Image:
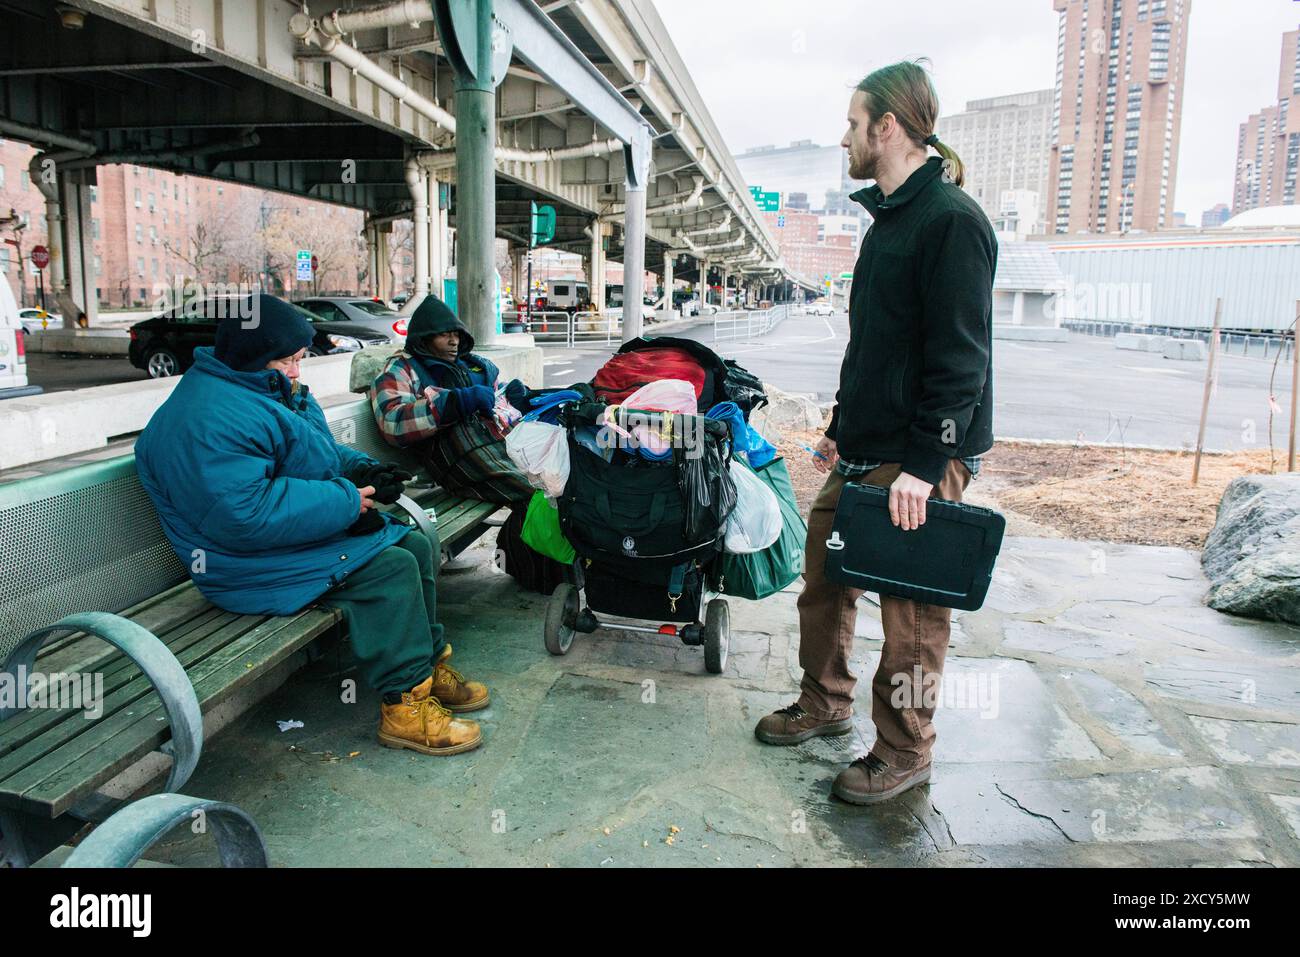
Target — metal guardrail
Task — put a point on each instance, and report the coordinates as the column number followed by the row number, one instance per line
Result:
column 1256, row 345
column 747, row 323
column 557, row 325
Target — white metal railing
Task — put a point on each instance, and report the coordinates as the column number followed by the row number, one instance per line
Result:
column 557, row 325
column 747, row 323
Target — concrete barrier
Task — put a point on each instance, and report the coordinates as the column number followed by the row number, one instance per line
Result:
column 1191, row 350
column 64, row 423
column 515, row 356
column 1030, row 333
column 89, row 342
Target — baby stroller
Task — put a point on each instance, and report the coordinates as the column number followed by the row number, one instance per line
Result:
column 646, row 532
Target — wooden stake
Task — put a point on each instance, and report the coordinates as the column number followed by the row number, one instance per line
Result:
column 1209, row 384
column 1295, row 386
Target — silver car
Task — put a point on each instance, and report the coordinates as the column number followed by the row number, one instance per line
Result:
column 364, row 313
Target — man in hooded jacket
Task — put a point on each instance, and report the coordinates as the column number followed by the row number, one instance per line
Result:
column 437, row 393
column 269, row 514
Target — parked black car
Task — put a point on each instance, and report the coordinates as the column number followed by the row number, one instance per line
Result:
column 164, row 345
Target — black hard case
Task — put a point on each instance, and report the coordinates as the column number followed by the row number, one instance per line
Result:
column 948, row 561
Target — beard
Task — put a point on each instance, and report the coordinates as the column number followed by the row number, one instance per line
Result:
column 865, row 165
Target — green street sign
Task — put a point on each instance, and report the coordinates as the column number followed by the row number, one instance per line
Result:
column 767, row 202
column 543, row 224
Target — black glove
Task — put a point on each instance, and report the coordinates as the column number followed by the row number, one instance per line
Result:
column 387, row 480
column 517, row 395
column 370, row 521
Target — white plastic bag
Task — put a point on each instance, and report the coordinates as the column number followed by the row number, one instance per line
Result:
column 541, row 451
column 755, row 523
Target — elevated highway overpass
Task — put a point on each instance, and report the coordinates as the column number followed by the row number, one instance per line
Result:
column 453, row 113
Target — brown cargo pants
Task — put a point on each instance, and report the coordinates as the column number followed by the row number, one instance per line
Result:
column 916, row 636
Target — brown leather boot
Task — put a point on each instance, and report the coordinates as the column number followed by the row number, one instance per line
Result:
column 452, row 690
column 869, row 780
column 421, row 724
column 793, row 724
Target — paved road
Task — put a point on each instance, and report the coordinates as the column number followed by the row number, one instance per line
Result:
column 1084, row 388
column 57, row 373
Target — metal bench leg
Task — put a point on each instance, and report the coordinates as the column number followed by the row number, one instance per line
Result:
column 159, row 665
column 123, row 838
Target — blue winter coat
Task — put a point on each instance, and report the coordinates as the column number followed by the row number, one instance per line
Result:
column 251, row 491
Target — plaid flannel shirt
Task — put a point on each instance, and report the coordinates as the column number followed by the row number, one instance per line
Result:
column 852, row 468
column 405, row 414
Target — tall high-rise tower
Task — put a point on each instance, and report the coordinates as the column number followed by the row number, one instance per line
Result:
column 1117, row 112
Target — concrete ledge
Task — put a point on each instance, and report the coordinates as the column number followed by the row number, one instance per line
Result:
column 90, row 342
column 513, row 357
column 1030, row 333
column 1191, row 350
column 47, row 426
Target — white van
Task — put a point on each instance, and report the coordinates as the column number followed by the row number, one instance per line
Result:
column 567, row 294
column 13, row 357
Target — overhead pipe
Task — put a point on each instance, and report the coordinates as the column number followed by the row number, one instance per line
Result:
column 246, row 139
column 35, row 134
column 446, row 159
column 717, row 227
column 310, row 32
column 340, row 22
column 693, row 199
column 417, row 183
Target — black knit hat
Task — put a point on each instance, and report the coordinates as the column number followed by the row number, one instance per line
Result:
column 431, row 317
column 264, row 329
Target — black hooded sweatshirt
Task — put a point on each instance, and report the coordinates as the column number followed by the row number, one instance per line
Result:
column 916, row 384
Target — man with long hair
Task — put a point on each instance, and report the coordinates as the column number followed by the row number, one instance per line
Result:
column 913, row 413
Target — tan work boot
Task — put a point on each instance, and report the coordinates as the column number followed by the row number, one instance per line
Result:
column 793, row 724
column 453, row 691
column 421, row 724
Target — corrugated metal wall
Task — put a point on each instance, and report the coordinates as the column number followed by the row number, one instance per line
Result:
column 1176, row 284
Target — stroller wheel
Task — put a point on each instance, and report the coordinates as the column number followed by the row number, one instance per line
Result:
column 561, row 612
column 717, row 635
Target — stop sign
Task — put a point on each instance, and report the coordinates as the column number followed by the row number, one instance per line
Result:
column 40, row 257
column 399, row 327
column 315, row 264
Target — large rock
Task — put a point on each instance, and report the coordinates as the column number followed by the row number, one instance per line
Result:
column 1252, row 557
column 785, row 411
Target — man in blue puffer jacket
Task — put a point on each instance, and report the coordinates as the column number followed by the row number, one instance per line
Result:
column 270, row 514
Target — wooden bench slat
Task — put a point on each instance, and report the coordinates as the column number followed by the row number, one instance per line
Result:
column 58, row 782
column 127, row 697
column 117, row 670
column 161, row 612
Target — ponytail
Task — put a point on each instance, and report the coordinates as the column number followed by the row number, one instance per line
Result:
column 954, row 170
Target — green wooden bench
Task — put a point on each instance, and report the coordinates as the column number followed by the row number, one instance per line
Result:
column 90, row 586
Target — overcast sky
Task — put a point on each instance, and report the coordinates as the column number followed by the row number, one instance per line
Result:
column 773, row 71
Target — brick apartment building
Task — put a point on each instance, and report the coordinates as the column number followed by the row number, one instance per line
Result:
column 150, row 227
column 1268, row 143
column 808, row 256
column 1117, row 114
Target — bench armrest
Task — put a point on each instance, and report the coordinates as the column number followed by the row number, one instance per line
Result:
column 422, row 521
column 152, row 657
column 123, row 838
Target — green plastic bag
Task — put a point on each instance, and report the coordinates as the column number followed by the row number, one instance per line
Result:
column 541, row 531
column 764, row 573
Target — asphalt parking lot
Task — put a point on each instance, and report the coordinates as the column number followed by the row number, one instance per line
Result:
column 1083, row 389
